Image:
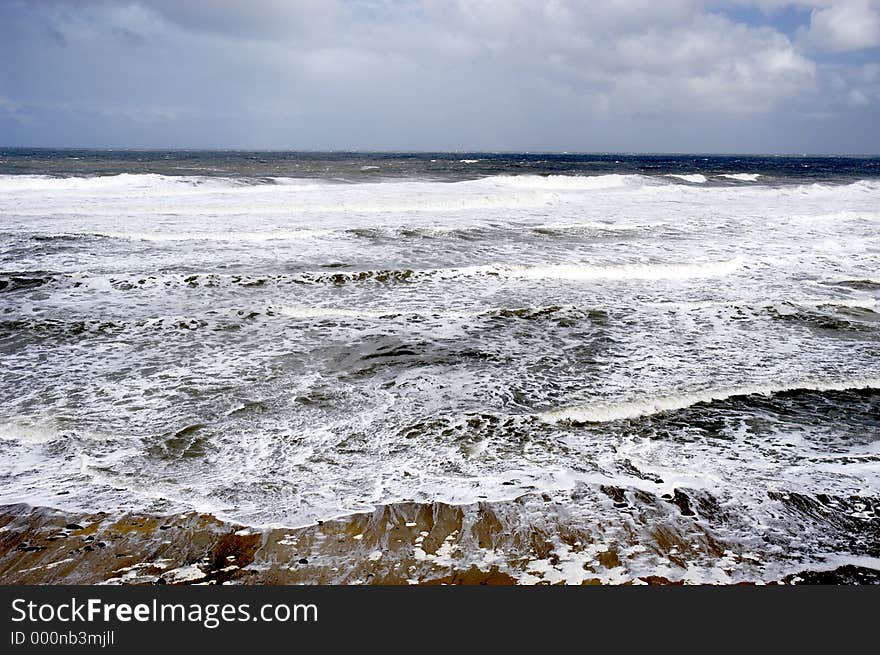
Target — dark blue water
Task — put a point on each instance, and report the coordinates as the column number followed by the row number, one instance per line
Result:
column 438, row 166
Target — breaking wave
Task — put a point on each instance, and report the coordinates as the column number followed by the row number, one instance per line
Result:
column 696, row 178
column 742, row 177
column 604, row 411
column 569, row 182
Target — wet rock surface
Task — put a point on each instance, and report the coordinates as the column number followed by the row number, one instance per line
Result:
column 402, row 543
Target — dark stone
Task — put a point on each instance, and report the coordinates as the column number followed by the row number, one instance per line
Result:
column 683, row 503
column 660, row 580
column 848, row 574
column 303, row 561
column 616, row 494
column 73, row 526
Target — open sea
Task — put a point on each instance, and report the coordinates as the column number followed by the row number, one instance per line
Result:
column 660, row 349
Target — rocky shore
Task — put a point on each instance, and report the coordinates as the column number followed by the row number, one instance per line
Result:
column 404, row 543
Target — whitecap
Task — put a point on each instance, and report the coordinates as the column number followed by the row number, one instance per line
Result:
column 697, row 178
column 229, row 236
column 676, row 271
column 604, row 411
column 742, row 177
column 566, row 182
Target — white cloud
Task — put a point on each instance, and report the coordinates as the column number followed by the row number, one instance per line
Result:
column 857, row 98
column 845, row 25
column 632, row 56
column 708, row 64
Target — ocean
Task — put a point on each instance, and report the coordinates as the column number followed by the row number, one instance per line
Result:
column 671, row 358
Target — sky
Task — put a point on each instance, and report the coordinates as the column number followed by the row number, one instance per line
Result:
column 739, row 76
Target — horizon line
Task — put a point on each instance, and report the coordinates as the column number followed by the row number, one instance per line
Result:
column 367, row 151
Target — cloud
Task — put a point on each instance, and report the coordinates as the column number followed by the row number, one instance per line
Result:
column 430, row 73
column 844, row 26
column 857, row 98
column 708, row 64
column 266, row 19
column 13, row 110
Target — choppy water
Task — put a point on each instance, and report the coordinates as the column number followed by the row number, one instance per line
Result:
column 281, row 338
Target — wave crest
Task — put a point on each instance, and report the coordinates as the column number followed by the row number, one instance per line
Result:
column 741, row 177
column 568, row 182
column 695, row 178
column 603, row 412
